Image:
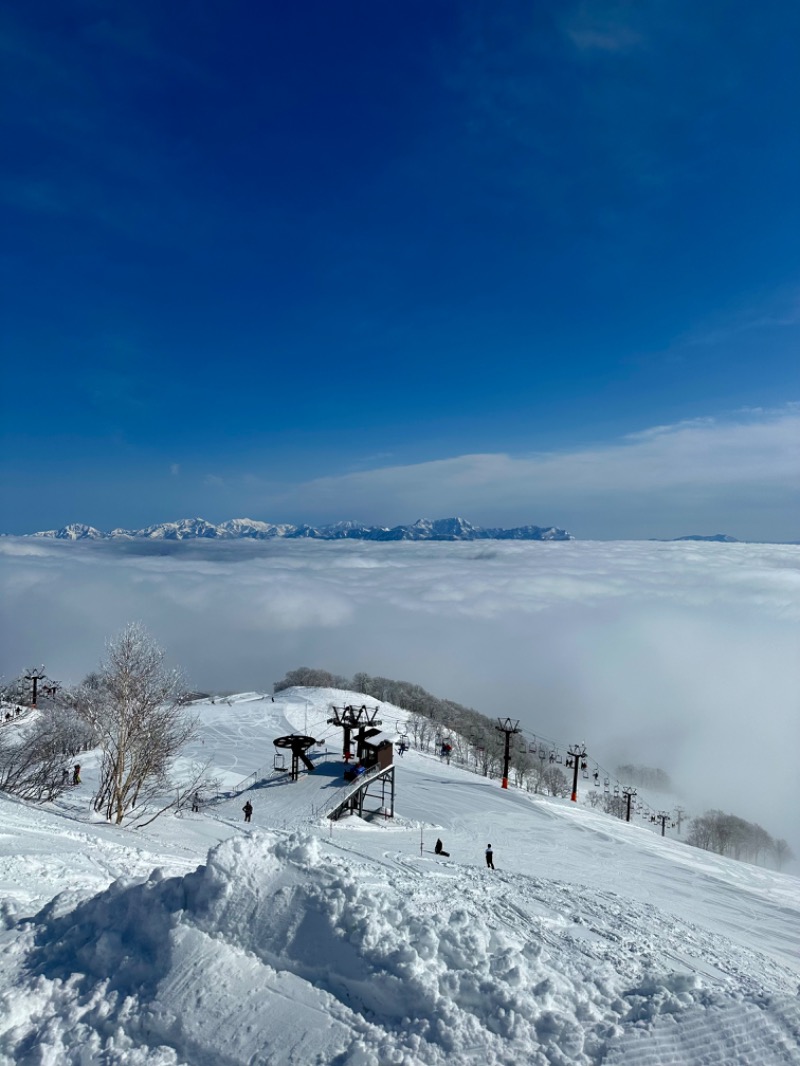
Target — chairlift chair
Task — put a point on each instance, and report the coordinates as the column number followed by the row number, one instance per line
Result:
column 279, row 761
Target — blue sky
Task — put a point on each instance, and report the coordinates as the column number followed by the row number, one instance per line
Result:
column 525, row 262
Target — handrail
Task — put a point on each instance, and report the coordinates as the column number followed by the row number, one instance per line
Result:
column 353, row 788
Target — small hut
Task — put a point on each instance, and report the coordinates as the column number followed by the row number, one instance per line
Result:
column 378, row 750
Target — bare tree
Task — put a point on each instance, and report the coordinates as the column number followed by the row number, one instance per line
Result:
column 193, row 786
column 31, row 760
column 783, row 853
column 555, row 781
column 134, row 708
column 727, row 834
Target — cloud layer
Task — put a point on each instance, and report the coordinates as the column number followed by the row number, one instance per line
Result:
column 676, row 655
column 739, row 476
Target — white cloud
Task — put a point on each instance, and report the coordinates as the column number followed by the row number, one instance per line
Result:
column 740, row 475
column 677, row 655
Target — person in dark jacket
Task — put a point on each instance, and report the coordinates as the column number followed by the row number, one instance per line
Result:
column 248, row 811
column 489, row 857
column 439, row 849
column 76, row 774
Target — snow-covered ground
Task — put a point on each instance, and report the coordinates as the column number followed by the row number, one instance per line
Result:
column 294, row 939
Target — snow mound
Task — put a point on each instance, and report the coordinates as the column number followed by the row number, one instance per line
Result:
column 398, row 962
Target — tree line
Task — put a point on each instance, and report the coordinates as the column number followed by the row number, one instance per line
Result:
column 474, row 739
column 727, row 834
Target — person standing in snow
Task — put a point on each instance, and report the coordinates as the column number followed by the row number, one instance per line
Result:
column 248, row 811
column 76, row 774
column 489, row 857
column 196, row 803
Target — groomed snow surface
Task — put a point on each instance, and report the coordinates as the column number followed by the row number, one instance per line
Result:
column 203, row 940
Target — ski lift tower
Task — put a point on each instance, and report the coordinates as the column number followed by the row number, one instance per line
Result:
column 628, row 793
column 35, row 676
column 509, row 729
column 576, row 762
column 351, row 718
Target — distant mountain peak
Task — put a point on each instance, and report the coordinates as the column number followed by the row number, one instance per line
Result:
column 74, row 531
column 715, row 538
column 437, row 529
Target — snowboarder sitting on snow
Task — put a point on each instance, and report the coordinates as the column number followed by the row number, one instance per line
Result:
column 439, row 849
column 248, row 811
column 489, row 857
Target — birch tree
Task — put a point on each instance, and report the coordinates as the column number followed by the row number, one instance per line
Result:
column 134, row 708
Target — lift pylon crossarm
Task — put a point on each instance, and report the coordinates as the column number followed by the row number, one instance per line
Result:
column 352, row 716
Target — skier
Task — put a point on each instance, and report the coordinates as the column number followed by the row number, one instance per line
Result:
column 439, row 849
column 76, row 774
column 489, row 857
column 248, row 811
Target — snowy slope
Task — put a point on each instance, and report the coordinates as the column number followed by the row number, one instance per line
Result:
column 297, row 940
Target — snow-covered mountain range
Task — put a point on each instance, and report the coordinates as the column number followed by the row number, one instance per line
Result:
column 448, row 529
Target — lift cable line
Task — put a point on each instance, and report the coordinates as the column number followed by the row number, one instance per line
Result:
column 363, row 721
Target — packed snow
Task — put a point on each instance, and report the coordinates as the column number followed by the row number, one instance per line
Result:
column 297, row 939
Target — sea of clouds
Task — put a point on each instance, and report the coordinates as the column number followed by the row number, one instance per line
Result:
column 677, row 655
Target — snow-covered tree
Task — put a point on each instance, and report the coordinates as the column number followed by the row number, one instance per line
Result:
column 32, row 758
column 133, row 706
